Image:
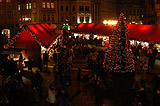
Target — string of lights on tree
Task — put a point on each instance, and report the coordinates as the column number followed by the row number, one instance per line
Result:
column 11, row 42
column 119, row 55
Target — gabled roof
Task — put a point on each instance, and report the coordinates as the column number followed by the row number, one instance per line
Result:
column 140, row 32
column 38, row 33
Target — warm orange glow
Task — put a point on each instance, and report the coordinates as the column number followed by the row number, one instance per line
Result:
column 110, row 22
column 105, row 22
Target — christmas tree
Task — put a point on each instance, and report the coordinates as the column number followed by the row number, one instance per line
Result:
column 119, row 55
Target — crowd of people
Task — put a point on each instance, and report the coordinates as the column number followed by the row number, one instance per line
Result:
column 99, row 79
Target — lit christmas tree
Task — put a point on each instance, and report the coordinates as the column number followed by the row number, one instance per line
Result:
column 119, row 55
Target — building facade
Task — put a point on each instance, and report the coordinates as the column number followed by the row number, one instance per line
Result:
column 157, row 9
column 132, row 9
column 73, row 12
column 69, row 13
column 8, row 20
column 37, row 11
column 150, row 12
column 103, row 10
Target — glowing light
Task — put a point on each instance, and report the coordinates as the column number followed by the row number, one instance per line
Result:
column 110, row 22
column 95, row 36
column 105, row 22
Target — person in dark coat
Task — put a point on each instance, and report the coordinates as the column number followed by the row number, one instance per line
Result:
column 40, row 64
column 30, row 64
column 45, row 59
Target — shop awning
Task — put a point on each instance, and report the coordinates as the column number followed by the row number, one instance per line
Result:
column 139, row 32
column 38, row 33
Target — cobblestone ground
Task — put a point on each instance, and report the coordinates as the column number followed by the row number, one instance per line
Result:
column 120, row 92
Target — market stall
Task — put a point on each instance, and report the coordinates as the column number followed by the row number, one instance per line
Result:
column 143, row 34
column 34, row 40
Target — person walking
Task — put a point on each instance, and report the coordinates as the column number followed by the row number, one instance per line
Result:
column 30, row 64
column 52, row 95
column 45, row 59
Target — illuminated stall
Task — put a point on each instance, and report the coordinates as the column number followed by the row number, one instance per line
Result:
column 144, row 34
column 34, row 40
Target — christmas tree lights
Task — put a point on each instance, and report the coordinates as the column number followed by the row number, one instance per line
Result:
column 119, row 54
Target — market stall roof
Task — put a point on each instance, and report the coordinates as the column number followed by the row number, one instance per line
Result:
column 38, row 33
column 140, row 32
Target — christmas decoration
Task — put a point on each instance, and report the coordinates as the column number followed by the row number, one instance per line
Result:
column 119, row 55
column 11, row 42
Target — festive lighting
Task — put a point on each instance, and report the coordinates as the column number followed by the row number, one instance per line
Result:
column 119, row 54
column 110, row 22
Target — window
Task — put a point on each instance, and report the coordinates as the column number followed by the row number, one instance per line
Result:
column 86, row 8
column 44, row 17
column 19, row 7
column 43, row 5
column 48, row 17
column 81, row 19
column 30, row 6
column 66, row 18
column 87, row 19
column 61, row 8
column 1, row 14
column 35, row 18
column 62, row 19
column 52, row 17
column 66, row 8
column 81, row 8
column 0, row 0
column 73, row 18
column 73, row 8
column 8, row 1
column 34, row 4
column 52, row 5
column 27, row 6
column 48, row 5
column 9, row 14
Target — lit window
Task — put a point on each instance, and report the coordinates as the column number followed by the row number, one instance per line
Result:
column 27, row 6
column 34, row 5
column 0, row 0
column 43, row 5
column 48, row 5
column 19, row 7
column 8, row 1
column 52, row 5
